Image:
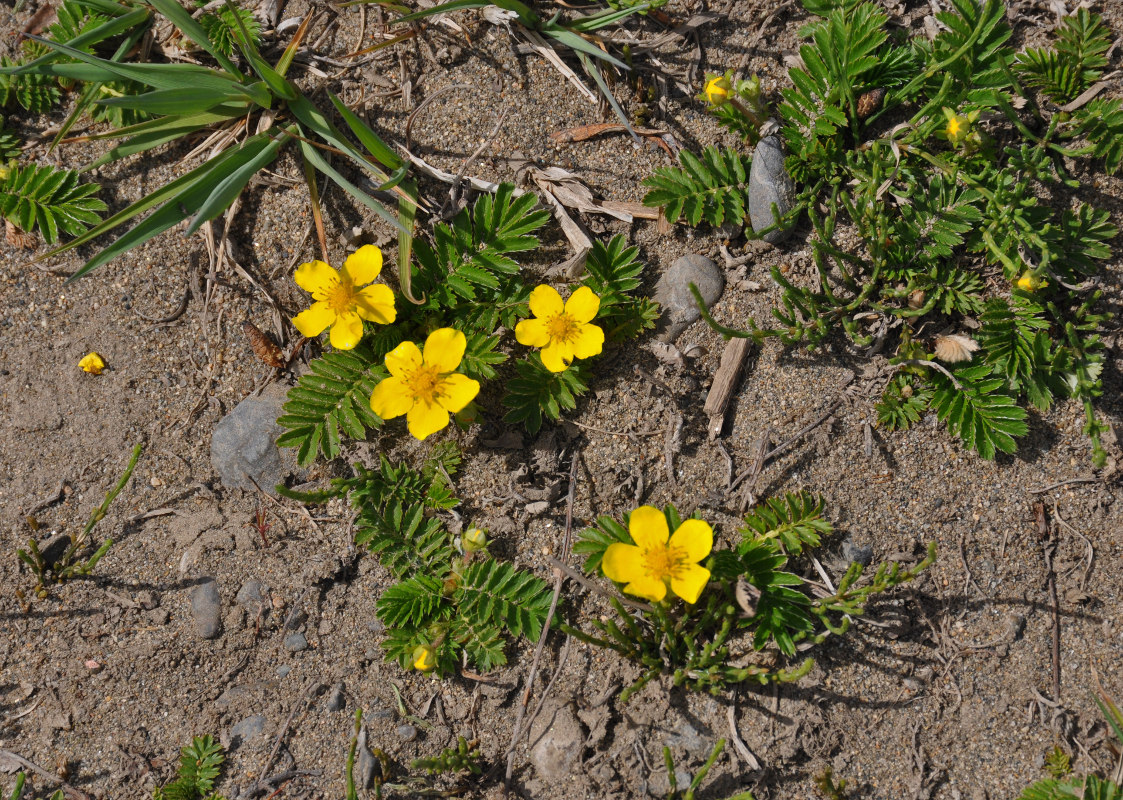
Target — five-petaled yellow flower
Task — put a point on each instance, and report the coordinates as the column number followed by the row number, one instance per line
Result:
column 717, row 90
column 341, row 302
column 424, row 658
column 425, row 385
column 654, row 561
column 92, row 363
column 562, row 330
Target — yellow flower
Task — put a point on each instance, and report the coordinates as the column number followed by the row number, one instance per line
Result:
column 655, row 561
column 562, row 331
column 425, row 386
column 340, row 302
column 717, row 90
column 955, row 127
column 1030, row 282
column 92, row 363
column 424, row 658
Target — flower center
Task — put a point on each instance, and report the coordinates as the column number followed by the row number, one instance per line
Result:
column 663, row 561
column 424, row 383
column 341, row 297
column 561, row 328
column 953, row 128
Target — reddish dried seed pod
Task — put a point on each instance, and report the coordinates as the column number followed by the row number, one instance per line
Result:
column 870, row 102
column 263, row 347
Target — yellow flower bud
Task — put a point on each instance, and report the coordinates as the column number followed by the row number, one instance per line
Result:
column 4, row 172
column 1030, row 282
column 92, row 363
column 717, row 90
column 473, row 539
column 424, row 658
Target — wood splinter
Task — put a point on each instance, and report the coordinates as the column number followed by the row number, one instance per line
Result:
column 725, row 380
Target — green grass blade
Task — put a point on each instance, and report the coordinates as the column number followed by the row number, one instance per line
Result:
column 321, row 164
column 194, row 31
column 232, row 185
column 407, row 213
column 174, row 102
column 603, row 19
column 580, row 45
column 367, row 137
column 105, row 30
column 161, row 195
column 594, row 70
column 158, row 76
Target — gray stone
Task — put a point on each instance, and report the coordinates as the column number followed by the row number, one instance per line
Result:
column 673, row 293
column 336, row 700
column 558, row 737
column 53, row 548
column 244, row 452
column 295, row 642
column 687, row 737
column 283, row 670
column 206, row 609
column 247, row 729
column 407, row 733
column 862, row 554
column 251, row 596
column 769, row 183
column 365, row 764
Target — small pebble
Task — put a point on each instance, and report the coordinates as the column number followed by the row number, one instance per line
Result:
column 862, row 554
column 295, row 642
column 336, row 700
column 407, row 733
column 251, row 596
column 248, row 728
column 672, row 291
column 769, row 183
column 283, row 670
column 206, row 609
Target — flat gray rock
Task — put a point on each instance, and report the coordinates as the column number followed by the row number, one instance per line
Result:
column 244, row 449
column 672, row 291
column 557, row 738
column 251, row 596
column 247, row 729
column 206, row 609
column 769, row 183
column 295, row 642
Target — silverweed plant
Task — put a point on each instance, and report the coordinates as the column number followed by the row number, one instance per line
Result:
column 717, row 617
column 674, row 793
column 17, row 790
column 199, row 766
column 428, row 360
column 69, row 563
column 945, row 184
column 452, row 604
column 1065, row 786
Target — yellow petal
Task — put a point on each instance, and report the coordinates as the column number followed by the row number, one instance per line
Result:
column 648, row 588
column 347, row 331
column 648, row 527
column 545, row 301
column 391, row 398
column 623, row 563
column 444, row 349
column 588, row 342
column 689, row 582
column 583, row 305
column 552, row 358
column 457, row 391
column 92, row 363
column 425, row 418
column 403, row 359
column 317, row 278
column 363, row 265
column 532, row 333
column 695, row 538
column 314, row 320
column 376, row 303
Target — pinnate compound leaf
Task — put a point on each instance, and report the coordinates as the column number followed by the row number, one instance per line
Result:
column 333, row 398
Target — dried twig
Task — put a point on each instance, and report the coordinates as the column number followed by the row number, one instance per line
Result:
column 1047, row 534
column 725, row 380
column 1070, row 481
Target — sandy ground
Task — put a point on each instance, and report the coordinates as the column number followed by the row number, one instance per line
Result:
column 943, row 691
